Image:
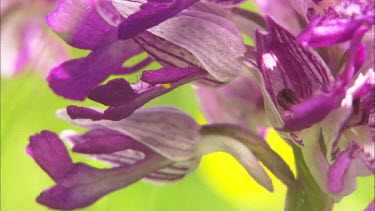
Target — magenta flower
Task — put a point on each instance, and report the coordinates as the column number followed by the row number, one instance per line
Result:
column 136, row 149
column 304, row 100
column 335, row 21
column 176, row 42
column 320, row 101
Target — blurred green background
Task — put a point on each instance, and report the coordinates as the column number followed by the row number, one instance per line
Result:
column 220, row 183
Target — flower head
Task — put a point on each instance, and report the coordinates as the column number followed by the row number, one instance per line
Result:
column 160, row 144
column 193, row 45
column 320, row 101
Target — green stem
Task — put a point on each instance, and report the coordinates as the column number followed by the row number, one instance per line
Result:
column 306, row 195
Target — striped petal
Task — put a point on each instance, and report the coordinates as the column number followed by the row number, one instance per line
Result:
column 213, row 40
column 124, row 98
column 178, row 142
column 75, row 78
column 76, row 20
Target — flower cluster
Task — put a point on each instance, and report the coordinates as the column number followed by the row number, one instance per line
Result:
column 321, row 101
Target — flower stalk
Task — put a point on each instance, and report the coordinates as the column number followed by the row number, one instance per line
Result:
column 306, row 194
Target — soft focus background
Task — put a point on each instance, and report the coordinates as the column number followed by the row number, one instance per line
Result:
column 220, row 183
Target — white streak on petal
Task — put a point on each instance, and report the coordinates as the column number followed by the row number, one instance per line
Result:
column 270, row 61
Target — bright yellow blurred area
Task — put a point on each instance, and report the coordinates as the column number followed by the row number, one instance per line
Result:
column 226, row 176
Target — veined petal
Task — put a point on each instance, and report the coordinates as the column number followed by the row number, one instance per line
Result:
column 337, row 121
column 340, row 174
column 103, row 141
column 75, row 78
column 165, row 130
column 330, row 33
column 218, row 143
column 213, row 40
column 84, row 184
column 124, row 98
column 224, row 3
column 118, row 149
column 150, row 14
column 312, row 110
column 338, row 23
column 79, row 185
column 174, row 172
column 50, row 153
column 291, row 74
column 165, row 52
column 243, row 145
column 108, row 12
column 76, row 20
column 167, row 75
column 305, row 73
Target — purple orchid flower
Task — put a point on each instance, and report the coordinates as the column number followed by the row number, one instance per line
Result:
column 136, row 149
column 26, row 42
column 174, row 39
column 333, row 22
column 297, row 105
column 304, row 100
column 350, row 139
column 321, row 102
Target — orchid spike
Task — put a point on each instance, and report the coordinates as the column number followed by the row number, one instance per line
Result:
column 160, row 144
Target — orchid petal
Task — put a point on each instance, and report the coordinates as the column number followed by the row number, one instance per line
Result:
column 178, row 141
column 165, row 52
column 74, row 79
column 50, row 154
column 312, row 110
column 150, row 14
column 124, row 100
column 218, row 143
column 76, row 20
column 84, row 184
column 118, row 149
column 258, row 147
column 286, row 83
column 79, row 185
column 337, row 120
column 336, row 181
column 102, row 141
column 224, row 3
column 335, row 31
column 174, row 172
column 108, row 12
column 213, row 40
